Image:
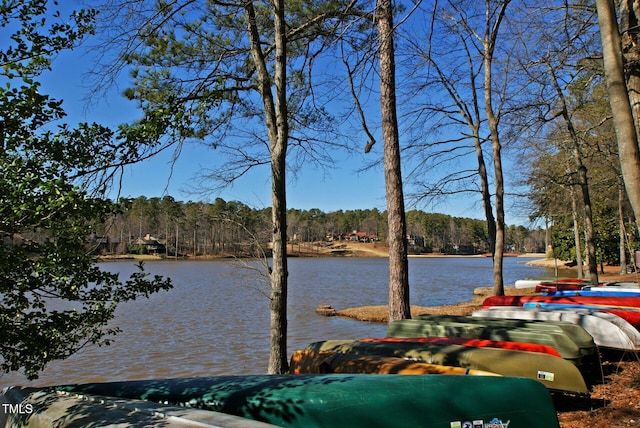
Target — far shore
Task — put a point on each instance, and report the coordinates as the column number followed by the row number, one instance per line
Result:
column 313, row 249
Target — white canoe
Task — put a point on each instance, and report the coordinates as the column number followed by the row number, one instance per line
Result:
column 532, row 282
column 617, row 286
column 608, row 330
column 527, row 283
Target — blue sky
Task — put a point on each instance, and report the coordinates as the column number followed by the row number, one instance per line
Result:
column 339, row 188
column 329, row 190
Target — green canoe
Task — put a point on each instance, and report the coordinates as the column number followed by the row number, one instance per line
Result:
column 565, row 346
column 553, row 372
column 332, row 400
column 576, row 332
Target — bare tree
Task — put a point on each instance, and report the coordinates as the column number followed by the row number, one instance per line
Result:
column 472, row 86
column 277, row 129
column 465, row 110
column 494, row 16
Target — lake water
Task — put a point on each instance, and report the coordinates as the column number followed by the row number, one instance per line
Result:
column 216, row 318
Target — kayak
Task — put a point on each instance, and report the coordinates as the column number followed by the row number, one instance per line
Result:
column 560, row 341
column 306, row 361
column 546, row 287
column 476, row 343
column 621, row 287
column 555, row 373
column 607, row 329
column 621, row 284
column 532, row 282
column 331, row 400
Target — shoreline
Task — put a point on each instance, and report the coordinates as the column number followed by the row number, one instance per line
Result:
column 349, row 250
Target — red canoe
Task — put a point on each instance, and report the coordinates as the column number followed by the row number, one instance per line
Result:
column 476, row 343
column 547, row 287
column 627, row 308
column 564, row 284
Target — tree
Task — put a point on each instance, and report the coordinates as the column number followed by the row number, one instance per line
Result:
column 455, row 64
column 624, row 124
column 581, row 178
column 463, row 108
column 494, row 16
column 277, row 123
column 232, row 75
column 55, row 300
column 399, row 306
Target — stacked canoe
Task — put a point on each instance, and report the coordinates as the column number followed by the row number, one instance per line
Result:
column 607, row 329
column 610, row 316
column 548, row 352
column 544, row 285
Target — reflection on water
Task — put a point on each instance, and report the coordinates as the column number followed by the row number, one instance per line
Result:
column 216, row 319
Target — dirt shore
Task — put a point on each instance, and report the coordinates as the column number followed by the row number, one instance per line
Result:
column 612, row 404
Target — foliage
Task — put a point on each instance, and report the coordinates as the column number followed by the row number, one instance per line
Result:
column 563, row 241
column 54, row 299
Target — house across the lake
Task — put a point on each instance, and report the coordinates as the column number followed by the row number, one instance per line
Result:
column 150, row 244
column 103, row 244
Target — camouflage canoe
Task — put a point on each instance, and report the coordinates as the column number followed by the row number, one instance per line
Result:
column 306, row 361
column 553, row 372
column 564, row 344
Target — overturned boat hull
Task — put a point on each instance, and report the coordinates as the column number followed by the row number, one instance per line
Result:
column 561, row 342
column 555, row 373
column 349, row 400
column 607, row 329
column 306, row 361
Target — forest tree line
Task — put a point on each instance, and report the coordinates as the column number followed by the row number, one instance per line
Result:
column 233, row 228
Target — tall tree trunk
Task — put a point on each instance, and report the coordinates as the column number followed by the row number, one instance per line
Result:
column 588, row 226
column 489, row 43
column 399, row 305
column 485, row 192
column 576, row 231
column 623, row 233
column 631, row 55
column 620, row 106
column 277, row 130
column 582, row 180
